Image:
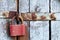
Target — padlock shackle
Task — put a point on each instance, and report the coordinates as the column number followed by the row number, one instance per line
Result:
column 18, row 18
column 21, row 19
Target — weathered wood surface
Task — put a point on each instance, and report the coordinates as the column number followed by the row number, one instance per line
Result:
column 3, row 30
column 8, row 5
column 55, row 5
column 23, row 6
column 55, row 28
column 39, row 5
column 39, row 30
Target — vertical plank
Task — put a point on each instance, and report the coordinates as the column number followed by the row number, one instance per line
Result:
column 12, row 5
column 23, row 6
column 14, row 38
column 3, row 30
column 39, row 5
column 55, row 27
column 8, row 5
column 55, row 5
column 3, row 5
column 39, row 30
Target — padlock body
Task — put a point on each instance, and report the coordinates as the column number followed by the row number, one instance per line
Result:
column 17, row 30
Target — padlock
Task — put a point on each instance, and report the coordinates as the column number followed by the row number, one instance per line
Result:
column 17, row 29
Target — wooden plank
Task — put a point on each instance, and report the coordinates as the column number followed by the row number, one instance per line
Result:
column 55, row 28
column 4, row 30
column 39, row 5
column 8, row 5
column 39, row 30
column 12, row 5
column 14, row 38
column 23, row 6
column 3, row 5
column 55, row 5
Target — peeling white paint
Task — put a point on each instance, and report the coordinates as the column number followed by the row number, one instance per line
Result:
column 55, row 6
column 55, row 28
column 39, row 30
column 8, row 5
column 23, row 6
column 3, row 31
column 43, row 5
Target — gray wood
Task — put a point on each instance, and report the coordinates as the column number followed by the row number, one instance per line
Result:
column 8, row 5
column 3, row 30
column 23, row 6
column 55, row 5
column 39, row 30
column 55, row 28
column 40, row 5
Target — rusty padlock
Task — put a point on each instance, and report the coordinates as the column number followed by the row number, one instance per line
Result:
column 17, row 28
